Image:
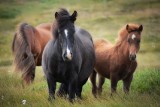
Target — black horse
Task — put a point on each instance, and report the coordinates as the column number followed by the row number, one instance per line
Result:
column 69, row 58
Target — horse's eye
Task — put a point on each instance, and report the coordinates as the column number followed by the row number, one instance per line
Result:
column 25, row 56
column 129, row 40
column 138, row 41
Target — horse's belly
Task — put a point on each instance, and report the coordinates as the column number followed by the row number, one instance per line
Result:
column 61, row 80
column 61, row 77
column 103, row 72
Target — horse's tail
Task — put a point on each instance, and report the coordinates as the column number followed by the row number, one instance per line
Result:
column 21, row 49
column 93, row 81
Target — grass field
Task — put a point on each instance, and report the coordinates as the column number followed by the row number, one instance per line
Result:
column 103, row 19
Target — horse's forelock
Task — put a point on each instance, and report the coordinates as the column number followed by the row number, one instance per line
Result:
column 123, row 33
column 63, row 17
column 63, row 12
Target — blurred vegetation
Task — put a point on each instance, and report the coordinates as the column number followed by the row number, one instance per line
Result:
column 9, row 13
column 103, row 19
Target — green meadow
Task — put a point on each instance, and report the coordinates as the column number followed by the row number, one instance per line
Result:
column 103, row 19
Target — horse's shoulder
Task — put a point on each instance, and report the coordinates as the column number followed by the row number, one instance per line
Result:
column 82, row 32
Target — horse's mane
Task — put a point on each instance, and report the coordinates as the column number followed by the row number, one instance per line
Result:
column 123, row 33
column 21, row 50
column 63, row 12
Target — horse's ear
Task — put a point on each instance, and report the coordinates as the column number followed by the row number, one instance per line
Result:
column 127, row 28
column 140, row 28
column 73, row 16
column 56, row 15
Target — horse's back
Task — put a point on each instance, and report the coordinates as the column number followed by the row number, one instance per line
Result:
column 44, row 30
column 46, row 26
column 102, row 48
column 102, row 44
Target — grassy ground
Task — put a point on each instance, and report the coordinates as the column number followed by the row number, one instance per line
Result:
column 103, row 19
column 144, row 92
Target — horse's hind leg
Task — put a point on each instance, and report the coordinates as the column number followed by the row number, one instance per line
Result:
column 93, row 81
column 126, row 83
column 100, row 83
column 51, row 87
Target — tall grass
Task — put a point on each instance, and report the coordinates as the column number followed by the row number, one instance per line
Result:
column 144, row 92
column 147, row 81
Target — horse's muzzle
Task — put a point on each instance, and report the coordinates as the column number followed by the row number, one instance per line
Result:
column 67, row 57
column 132, row 57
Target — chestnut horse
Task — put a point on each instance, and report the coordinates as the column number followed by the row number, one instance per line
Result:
column 117, row 62
column 27, row 48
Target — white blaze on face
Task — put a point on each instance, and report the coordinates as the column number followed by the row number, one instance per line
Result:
column 66, row 32
column 69, row 54
column 133, row 36
column 68, row 50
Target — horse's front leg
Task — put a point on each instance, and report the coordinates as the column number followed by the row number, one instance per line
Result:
column 72, row 87
column 51, row 86
column 114, row 81
column 126, row 83
column 63, row 90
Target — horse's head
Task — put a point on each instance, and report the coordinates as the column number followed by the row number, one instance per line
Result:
column 134, row 38
column 65, row 33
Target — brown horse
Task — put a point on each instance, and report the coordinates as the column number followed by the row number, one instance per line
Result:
column 27, row 48
column 117, row 62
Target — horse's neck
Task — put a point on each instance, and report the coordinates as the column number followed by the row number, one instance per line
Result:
column 122, row 49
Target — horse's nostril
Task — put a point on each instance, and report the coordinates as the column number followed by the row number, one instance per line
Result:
column 71, row 54
column 65, row 55
column 132, row 57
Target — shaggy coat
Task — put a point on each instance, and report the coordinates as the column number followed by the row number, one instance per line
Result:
column 117, row 62
column 27, row 47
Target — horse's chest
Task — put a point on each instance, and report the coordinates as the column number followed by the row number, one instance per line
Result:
column 62, row 73
column 124, row 71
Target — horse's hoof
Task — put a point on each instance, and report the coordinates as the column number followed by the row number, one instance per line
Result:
column 51, row 98
column 71, row 100
column 95, row 95
column 79, row 97
column 59, row 94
